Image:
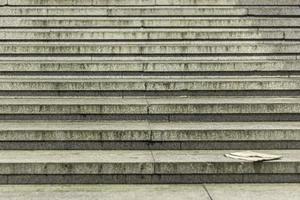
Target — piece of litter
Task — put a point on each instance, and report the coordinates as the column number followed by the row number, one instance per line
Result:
column 252, row 156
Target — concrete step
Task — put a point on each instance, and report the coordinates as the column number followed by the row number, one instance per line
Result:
column 151, row 66
column 149, row 34
column 60, row 167
column 149, row 2
column 151, row 11
column 112, row 135
column 147, row 83
column 149, row 22
column 150, row 48
column 164, row 109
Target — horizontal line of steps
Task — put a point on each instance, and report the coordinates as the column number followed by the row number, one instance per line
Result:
column 94, row 58
column 167, row 65
column 19, row 167
column 150, row 11
column 149, row 34
column 147, row 135
column 148, row 106
column 149, row 2
column 150, row 48
column 147, row 22
column 119, row 83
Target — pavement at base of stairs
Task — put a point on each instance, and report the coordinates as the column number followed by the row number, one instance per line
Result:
column 149, row 192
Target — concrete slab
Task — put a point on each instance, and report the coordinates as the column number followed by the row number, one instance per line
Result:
column 144, row 34
column 146, row 106
column 254, row 191
column 141, row 48
column 172, row 64
column 76, row 162
column 145, row 83
column 147, row 131
column 147, row 22
column 150, row 11
column 104, row 192
column 214, row 162
column 153, row 2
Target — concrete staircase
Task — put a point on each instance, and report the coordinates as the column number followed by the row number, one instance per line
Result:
column 148, row 91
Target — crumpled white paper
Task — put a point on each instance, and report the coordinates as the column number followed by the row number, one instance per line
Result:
column 252, row 156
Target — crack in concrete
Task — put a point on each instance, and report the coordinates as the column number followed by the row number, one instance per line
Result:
column 207, row 192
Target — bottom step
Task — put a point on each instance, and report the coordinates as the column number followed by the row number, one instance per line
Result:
column 129, row 167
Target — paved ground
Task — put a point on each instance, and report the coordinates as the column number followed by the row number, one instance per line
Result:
column 155, row 192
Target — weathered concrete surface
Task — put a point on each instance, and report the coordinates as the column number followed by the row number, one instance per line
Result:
column 94, row 105
column 140, row 48
column 142, row 162
column 104, row 192
column 76, row 162
column 254, row 191
column 148, row 83
column 152, row 2
column 148, row 22
column 144, row 34
column 122, row 34
column 148, row 66
column 214, row 162
column 152, row 192
column 148, row 131
column 150, row 11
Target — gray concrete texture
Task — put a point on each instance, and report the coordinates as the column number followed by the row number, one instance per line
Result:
column 150, row 11
column 148, row 83
column 152, row 192
column 150, row 2
column 147, row 66
column 148, row 131
column 148, row 22
column 149, row 48
column 145, row 106
column 142, row 162
column 146, row 34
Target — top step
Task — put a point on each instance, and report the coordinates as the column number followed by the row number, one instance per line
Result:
column 149, row 2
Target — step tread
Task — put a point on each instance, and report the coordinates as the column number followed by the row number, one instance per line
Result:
column 140, row 125
column 136, row 156
column 151, row 11
column 113, row 78
column 151, row 2
column 149, row 22
column 145, row 101
column 142, row 131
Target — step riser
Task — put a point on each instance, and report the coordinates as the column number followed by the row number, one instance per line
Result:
column 152, row 49
column 157, row 93
column 101, row 22
column 148, row 179
column 148, row 135
column 239, row 74
column 205, row 145
column 151, row 67
column 149, row 2
column 154, row 109
column 151, row 86
column 149, row 168
column 162, row 117
column 145, row 35
column 149, row 11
